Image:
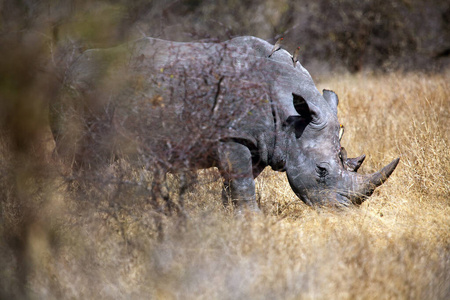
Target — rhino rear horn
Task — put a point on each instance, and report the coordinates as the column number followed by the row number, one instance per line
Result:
column 353, row 164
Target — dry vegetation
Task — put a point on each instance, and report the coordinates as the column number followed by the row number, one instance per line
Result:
column 395, row 246
column 60, row 240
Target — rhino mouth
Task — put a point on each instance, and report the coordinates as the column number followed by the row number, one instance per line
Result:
column 351, row 198
column 325, row 198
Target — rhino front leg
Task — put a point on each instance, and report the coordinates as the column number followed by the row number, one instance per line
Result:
column 235, row 164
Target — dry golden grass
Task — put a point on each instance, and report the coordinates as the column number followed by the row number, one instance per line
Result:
column 395, row 246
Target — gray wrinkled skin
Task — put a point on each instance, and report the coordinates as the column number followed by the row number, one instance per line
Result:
column 198, row 105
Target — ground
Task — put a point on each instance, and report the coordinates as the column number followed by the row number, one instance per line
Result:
column 394, row 246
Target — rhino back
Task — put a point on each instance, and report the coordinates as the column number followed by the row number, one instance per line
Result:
column 167, row 98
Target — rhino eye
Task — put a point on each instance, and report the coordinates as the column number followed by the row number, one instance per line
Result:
column 321, row 171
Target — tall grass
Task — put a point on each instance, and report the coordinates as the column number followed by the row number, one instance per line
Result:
column 394, row 246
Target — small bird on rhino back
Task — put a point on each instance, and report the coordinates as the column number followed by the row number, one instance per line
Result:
column 276, row 47
column 296, row 55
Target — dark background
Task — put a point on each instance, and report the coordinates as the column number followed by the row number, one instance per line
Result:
column 333, row 34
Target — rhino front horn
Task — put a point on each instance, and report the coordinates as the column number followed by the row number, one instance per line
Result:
column 370, row 182
column 380, row 177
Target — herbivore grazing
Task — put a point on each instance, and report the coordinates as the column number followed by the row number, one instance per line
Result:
column 230, row 105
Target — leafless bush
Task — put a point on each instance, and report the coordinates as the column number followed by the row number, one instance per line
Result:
column 160, row 106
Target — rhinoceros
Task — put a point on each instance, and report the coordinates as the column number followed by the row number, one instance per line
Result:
column 200, row 105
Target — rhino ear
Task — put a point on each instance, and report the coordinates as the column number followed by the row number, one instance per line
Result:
column 332, row 99
column 308, row 111
column 296, row 124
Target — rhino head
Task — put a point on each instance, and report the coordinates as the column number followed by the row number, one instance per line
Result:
column 316, row 166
